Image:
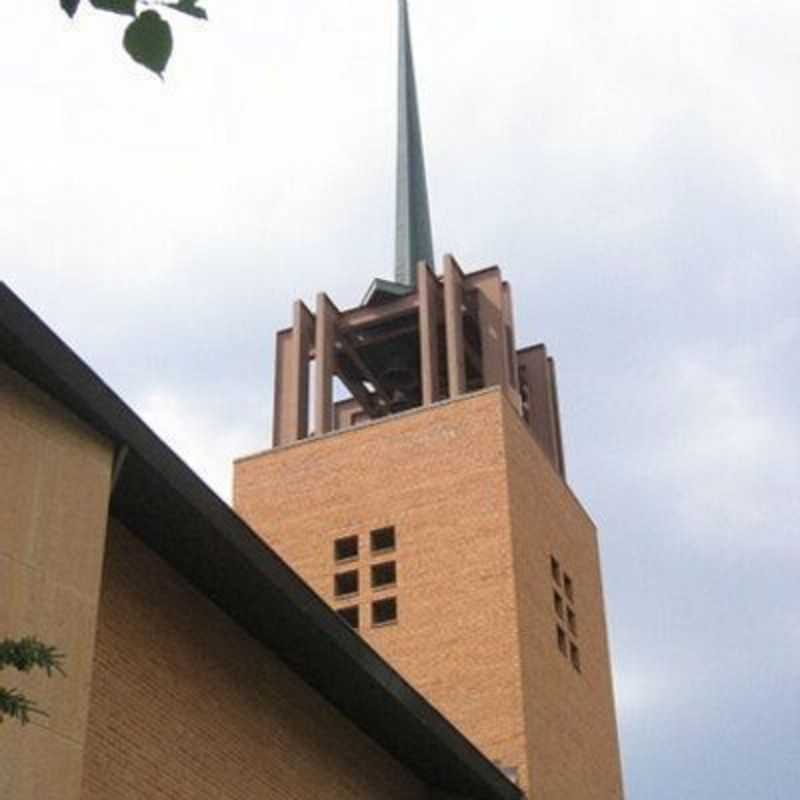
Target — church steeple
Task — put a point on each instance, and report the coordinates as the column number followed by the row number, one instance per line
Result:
column 413, row 240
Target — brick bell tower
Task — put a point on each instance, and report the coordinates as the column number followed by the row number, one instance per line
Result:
column 430, row 507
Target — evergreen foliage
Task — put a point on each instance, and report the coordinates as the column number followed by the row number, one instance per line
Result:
column 25, row 655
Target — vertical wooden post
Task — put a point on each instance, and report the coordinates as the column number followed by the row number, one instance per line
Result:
column 428, row 289
column 292, row 352
column 280, row 411
column 296, row 395
column 510, row 337
column 454, row 326
column 325, row 354
column 494, row 359
column 556, row 417
column 543, row 403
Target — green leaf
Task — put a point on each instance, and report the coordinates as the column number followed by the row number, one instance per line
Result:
column 126, row 7
column 148, row 40
column 70, row 6
column 14, row 704
column 25, row 654
column 188, row 7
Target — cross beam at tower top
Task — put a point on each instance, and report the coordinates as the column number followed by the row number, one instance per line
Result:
column 413, row 239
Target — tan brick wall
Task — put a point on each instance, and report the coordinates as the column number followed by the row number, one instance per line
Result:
column 186, row 705
column 54, row 487
column 574, row 753
column 477, row 510
column 439, row 477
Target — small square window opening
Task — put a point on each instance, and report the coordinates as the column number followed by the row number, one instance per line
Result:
column 575, row 656
column 561, row 638
column 382, row 539
column 384, row 574
column 572, row 623
column 350, row 616
column 345, row 548
column 345, row 583
column 384, row 611
column 558, row 604
column 555, row 570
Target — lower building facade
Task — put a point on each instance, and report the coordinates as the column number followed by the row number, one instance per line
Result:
column 198, row 664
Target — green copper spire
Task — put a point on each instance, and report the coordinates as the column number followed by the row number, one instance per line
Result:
column 413, row 241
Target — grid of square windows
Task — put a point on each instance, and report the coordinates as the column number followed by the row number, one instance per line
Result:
column 382, row 577
column 563, row 602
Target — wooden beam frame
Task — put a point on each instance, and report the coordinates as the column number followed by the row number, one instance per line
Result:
column 510, row 336
column 428, row 288
column 347, row 348
column 360, row 394
column 494, row 347
column 325, row 358
column 454, row 325
column 359, row 316
column 365, row 338
column 292, row 356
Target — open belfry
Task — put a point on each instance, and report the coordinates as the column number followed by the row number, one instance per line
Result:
column 425, row 499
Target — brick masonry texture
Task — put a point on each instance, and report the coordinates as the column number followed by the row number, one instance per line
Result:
column 573, row 749
column 185, row 704
column 477, row 511
column 54, row 483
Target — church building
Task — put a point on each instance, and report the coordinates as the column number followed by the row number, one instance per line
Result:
column 405, row 601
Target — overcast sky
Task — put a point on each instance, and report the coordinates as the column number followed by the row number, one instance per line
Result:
column 632, row 165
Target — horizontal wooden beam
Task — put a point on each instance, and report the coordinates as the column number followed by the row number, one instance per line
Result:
column 347, row 348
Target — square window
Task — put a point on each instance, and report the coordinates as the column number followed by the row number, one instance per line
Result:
column 568, row 588
column 384, row 574
column 350, row 616
column 572, row 623
column 575, row 656
column 384, row 611
column 345, row 583
column 346, row 548
column 382, row 539
column 558, row 604
column 555, row 570
column 561, row 638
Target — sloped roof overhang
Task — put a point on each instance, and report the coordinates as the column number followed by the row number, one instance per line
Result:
column 161, row 500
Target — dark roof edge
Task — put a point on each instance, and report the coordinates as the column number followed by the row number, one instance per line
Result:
column 30, row 347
